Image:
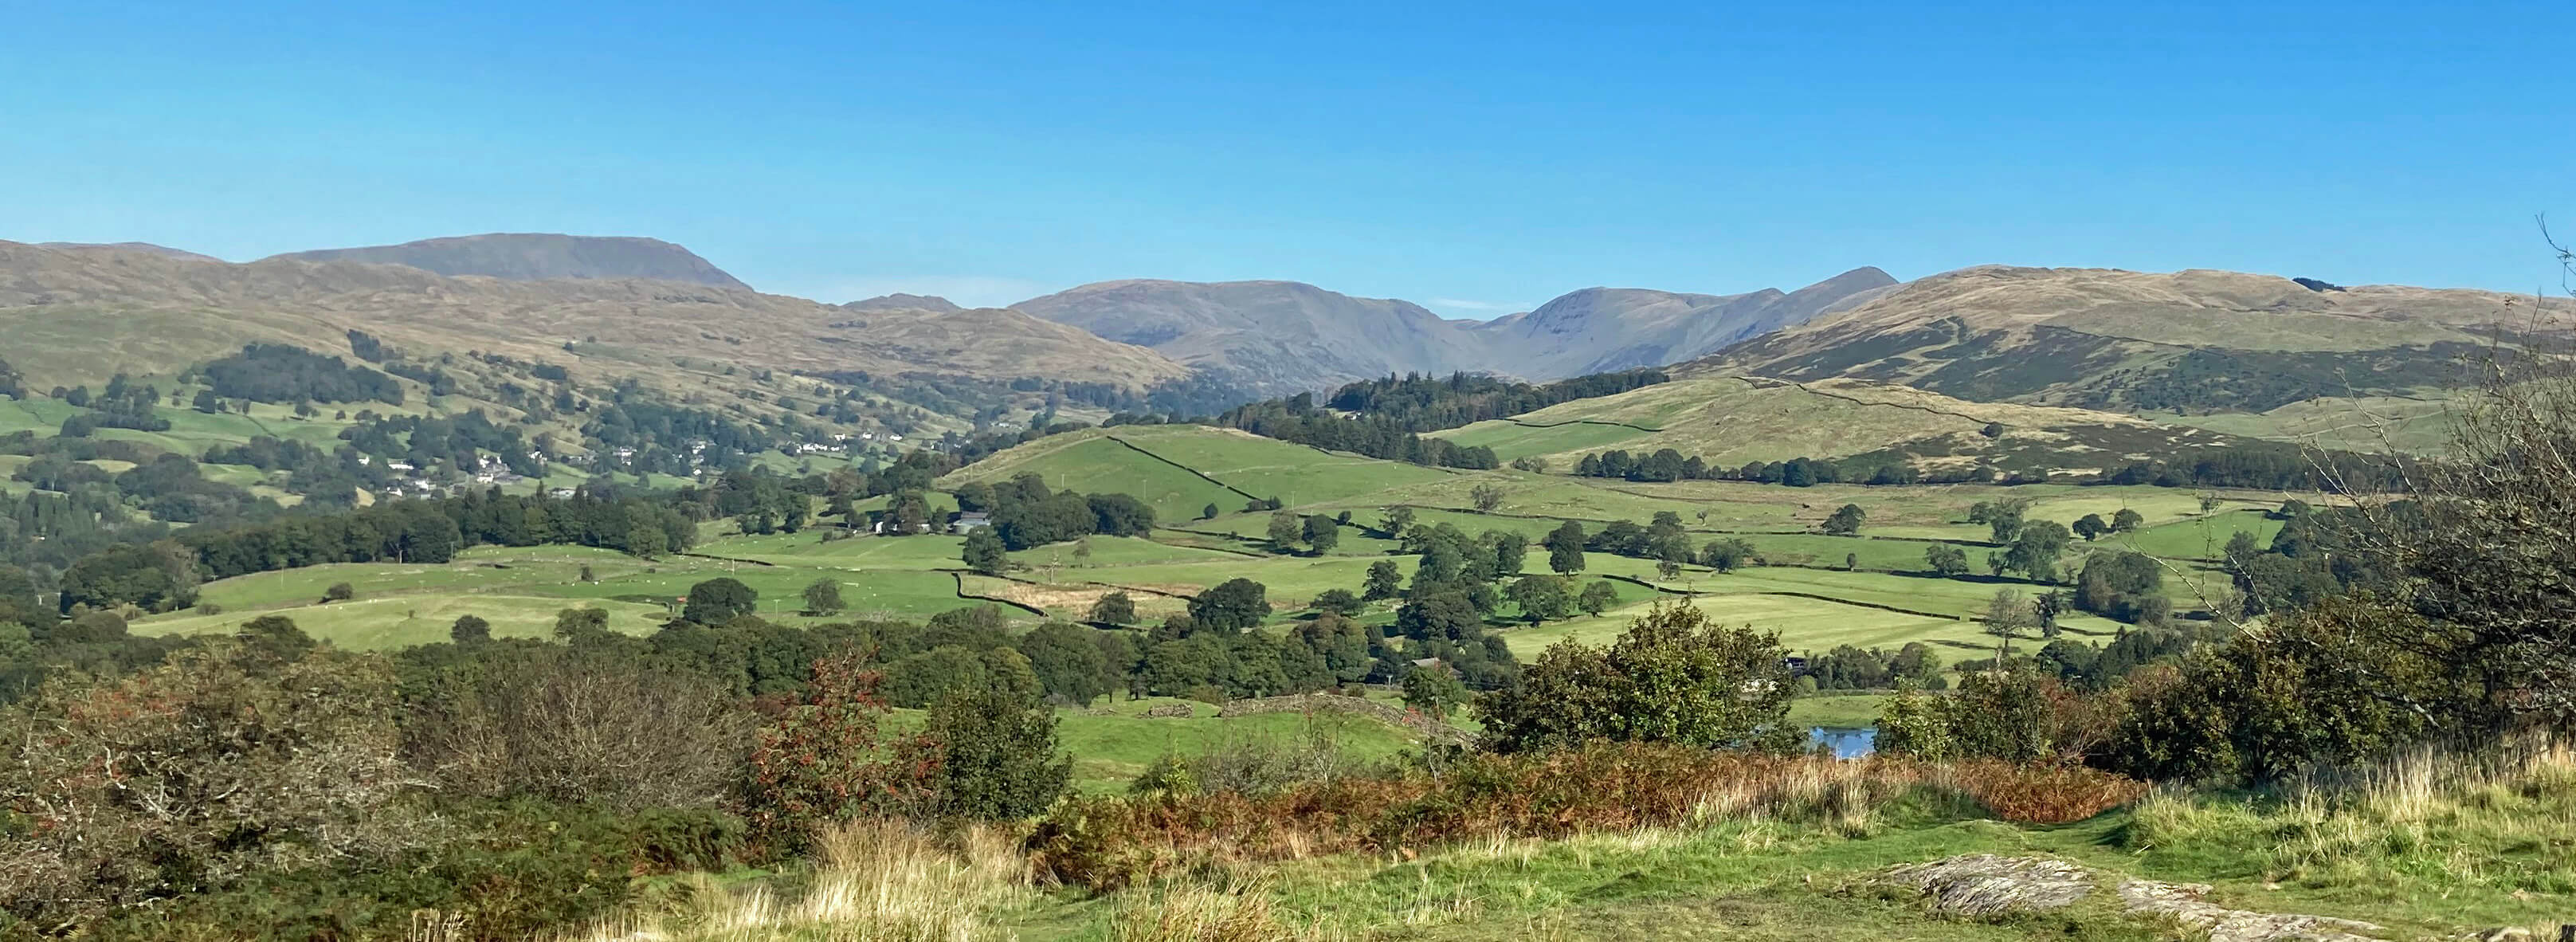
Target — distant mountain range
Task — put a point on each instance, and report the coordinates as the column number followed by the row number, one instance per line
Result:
column 161, row 250
column 2192, row 341
column 538, row 257
column 75, row 315
column 1282, row 336
column 1597, row 330
column 1274, row 336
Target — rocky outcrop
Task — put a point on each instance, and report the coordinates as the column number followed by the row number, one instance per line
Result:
column 1987, row 885
column 1991, row 884
column 2184, row 903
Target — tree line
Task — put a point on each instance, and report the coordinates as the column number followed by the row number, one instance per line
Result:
column 282, row 373
column 1420, row 402
column 1296, row 419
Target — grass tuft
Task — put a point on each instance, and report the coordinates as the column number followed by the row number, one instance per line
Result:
column 876, row 880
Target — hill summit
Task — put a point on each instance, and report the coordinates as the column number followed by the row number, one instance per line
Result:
column 538, row 257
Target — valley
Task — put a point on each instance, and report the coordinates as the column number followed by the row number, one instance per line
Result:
column 1980, row 520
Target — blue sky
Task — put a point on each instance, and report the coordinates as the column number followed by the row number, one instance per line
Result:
column 1478, row 158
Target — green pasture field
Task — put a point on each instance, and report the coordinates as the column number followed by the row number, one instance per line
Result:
column 536, row 570
column 533, row 581
column 1804, row 625
column 1113, row 744
column 941, row 503
column 916, row 551
column 1090, row 462
column 898, row 593
column 1292, row 581
column 2202, row 538
column 399, row 621
column 1512, row 439
column 1295, row 474
column 1255, row 528
column 1110, row 552
column 1729, row 421
column 1836, row 709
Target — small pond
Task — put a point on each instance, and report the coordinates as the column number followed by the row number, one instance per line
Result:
column 1848, row 742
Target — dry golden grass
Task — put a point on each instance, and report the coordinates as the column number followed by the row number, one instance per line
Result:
column 880, row 881
column 1200, row 912
column 2497, row 820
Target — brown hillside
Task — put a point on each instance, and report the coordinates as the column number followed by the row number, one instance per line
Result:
column 2193, row 341
column 74, row 316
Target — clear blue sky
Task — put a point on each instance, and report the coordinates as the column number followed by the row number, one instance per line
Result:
column 1474, row 157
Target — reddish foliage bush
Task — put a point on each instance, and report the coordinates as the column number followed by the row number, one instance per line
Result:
column 1109, row 842
column 827, row 760
column 2040, row 794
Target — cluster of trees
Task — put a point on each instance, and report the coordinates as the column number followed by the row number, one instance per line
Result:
column 2086, row 666
column 1670, row 465
column 2317, row 554
column 2264, row 466
column 758, row 503
column 280, row 373
column 1319, row 533
column 328, row 480
column 665, row 437
column 1673, row 677
column 1025, row 513
column 1852, row 668
column 1661, row 539
column 172, row 488
column 48, row 530
column 12, row 384
column 123, row 404
column 1296, row 419
column 2030, row 547
column 2267, row 466
column 452, row 443
column 1423, row 403
column 2123, row 586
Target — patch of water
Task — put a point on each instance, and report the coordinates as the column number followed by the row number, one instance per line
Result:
column 1847, row 742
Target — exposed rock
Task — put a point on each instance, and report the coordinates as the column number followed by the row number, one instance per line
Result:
column 1990, row 884
column 1987, row 884
column 2184, row 902
column 1171, row 711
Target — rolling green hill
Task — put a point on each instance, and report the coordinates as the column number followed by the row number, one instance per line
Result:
column 1730, row 420
column 1181, row 469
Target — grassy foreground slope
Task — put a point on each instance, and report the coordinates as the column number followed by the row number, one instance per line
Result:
column 2450, row 856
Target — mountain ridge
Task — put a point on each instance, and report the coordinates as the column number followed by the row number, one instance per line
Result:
column 537, row 256
column 1273, row 335
column 1283, row 336
column 162, row 250
column 183, row 311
